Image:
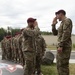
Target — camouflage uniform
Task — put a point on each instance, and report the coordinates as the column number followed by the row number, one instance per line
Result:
column 5, row 42
column 12, row 46
column 3, row 49
column 8, row 49
column 40, row 50
column 29, row 50
column 16, row 51
column 18, row 48
column 64, row 41
column 22, row 61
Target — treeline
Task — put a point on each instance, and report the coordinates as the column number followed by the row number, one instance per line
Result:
column 5, row 32
column 46, row 33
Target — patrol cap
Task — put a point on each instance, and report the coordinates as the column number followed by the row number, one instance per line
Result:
column 8, row 37
column 31, row 20
column 17, row 33
column 60, row 11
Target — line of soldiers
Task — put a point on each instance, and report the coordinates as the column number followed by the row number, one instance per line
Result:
column 26, row 47
column 12, row 48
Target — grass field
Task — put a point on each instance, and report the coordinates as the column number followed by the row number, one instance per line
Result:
column 51, row 70
column 51, row 47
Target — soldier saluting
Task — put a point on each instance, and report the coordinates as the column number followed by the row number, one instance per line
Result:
column 64, row 41
column 29, row 48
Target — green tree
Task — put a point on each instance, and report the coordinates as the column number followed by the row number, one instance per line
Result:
column 2, row 33
column 13, row 31
column 46, row 33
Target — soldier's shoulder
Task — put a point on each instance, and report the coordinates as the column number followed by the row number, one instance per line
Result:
column 25, row 29
column 68, row 20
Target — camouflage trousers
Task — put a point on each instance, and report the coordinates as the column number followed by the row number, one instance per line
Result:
column 38, row 63
column 29, row 67
column 16, row 53
column 3, row 54
column 63, row 61
column 21, row 57
column 9, row 53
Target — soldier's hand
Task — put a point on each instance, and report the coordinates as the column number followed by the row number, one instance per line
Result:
column 54, row 21
column 35, row 23
column 60, row 50
column 26, row 28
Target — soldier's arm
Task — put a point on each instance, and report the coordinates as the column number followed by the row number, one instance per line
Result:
column 67, row 29
column 2, row 44
column 54, row 30
column 31, row 33
column 43, row 45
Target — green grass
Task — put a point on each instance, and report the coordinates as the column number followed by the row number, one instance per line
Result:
column 73, row 47
column 51, row 70
column 51, row 47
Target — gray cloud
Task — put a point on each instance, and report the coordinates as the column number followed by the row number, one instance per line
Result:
column 14, row 13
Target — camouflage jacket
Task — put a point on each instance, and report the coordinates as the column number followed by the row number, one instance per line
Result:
column 13, row 43
column 16, row 39
column 8, row 44
column 40, row 44
column 20, row 42
column 64, row 33
column 3, row 44
column 29, row 38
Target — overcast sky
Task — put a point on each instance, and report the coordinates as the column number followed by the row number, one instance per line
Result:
column 14, row 13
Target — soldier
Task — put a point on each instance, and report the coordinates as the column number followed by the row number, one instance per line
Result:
column 5, row 44
column 14, row 41
column 20, row 40
column 12, row 46
column 16, row 50
column 3, row 48
column 29, row 48
column 8, row 47
column 18, row 47
column 41, row 48
column 64, row 41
